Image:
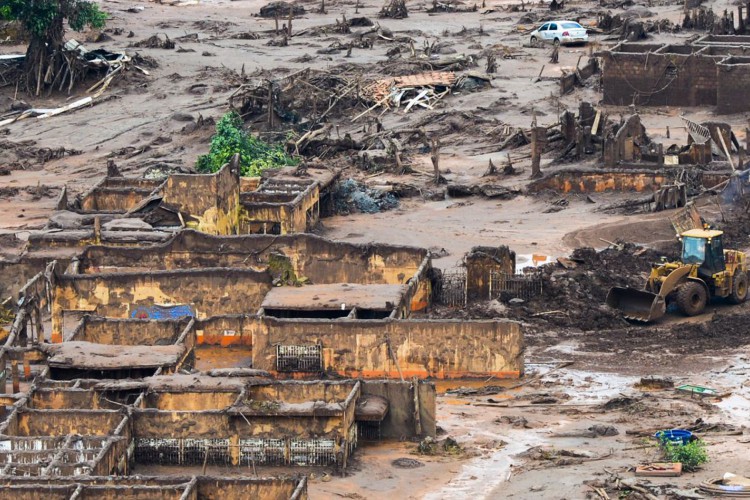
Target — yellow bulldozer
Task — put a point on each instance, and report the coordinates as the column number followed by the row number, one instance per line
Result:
column 705, row 270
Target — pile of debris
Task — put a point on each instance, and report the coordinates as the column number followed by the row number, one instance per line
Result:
column 704, row 19
column 631, row 27
column 155, row 42
column 451, row 6
column 352, row 196
column 305, row 98
column 394, row 9
column 424, row 90
column 80, row 64
column 573, row 290
column 281, row 10
column 23, row 155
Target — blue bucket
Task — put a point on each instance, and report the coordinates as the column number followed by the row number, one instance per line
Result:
column 674, row 436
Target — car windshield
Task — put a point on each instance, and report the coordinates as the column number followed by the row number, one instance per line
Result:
column 693, row 250
column 571, row 25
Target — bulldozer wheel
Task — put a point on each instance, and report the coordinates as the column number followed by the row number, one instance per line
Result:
column 739, row 289
column 691, row 298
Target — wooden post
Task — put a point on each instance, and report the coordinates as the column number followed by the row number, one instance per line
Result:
column 741, row 27
column 538, row 140
column 289, row 26
column 660, row 152
column 588, row 147
column 435, row 157
column 97, row 229
column 14, row 376
column 417, row 407
column 270, row 104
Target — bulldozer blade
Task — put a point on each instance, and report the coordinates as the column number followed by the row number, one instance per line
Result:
column 638, row 305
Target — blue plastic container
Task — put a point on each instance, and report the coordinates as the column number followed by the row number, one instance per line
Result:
column 674, row 436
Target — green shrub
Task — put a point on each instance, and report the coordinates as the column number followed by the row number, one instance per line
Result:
column 5, row 13
column 690, row 455
column 255, row 154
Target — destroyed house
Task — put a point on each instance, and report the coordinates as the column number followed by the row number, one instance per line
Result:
column 122, row 348
column 711, row 71
column 299, row 305
column 90, row 427
column 131, row 211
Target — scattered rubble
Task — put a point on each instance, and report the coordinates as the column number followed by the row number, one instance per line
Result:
column 352, row 196
column 441, row 113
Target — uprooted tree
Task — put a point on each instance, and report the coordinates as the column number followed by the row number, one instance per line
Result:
column 46, row 63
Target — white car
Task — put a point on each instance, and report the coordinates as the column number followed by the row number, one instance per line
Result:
column 559, row 32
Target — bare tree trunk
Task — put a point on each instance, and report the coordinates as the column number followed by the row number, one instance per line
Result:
column 44, row 59
column 435, row 157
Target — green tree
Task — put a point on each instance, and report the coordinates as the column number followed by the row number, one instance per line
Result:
column 44, row 21
column 255, row 155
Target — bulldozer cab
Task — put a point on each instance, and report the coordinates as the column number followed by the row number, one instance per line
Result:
column 703, row 248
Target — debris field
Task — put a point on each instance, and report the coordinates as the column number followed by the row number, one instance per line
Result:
column 345, row 249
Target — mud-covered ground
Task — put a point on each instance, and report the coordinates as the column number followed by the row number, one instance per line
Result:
column 166, row 119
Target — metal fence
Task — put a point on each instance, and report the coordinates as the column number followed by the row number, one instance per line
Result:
column 450, row 290
column 299, row 358
column 252, row 451
column 521, row 286
column 187, row 451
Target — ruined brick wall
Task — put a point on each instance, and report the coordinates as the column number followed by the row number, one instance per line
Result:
column 128, row 332
column 659, row 79
column 266, row 488
column 480, row 263
column 302, row 392
column 733, row 86
column 320, row 260
column 209, row 292
column 569, row 81
column 225, row 331
column 294, row 216
column 67, row 421
column 400, row 421
column 423, row 348
column 590, row 182
column 191, row 400
column 108, row 199
column 115, row 194
column 114, row 488
column 576, row 181
column 15, row 274
column 211, row 202
column 218, row 424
